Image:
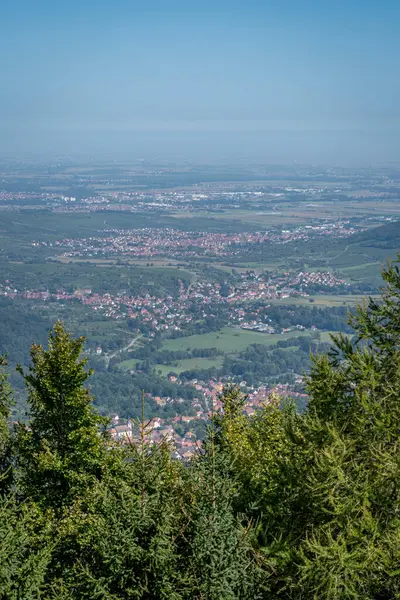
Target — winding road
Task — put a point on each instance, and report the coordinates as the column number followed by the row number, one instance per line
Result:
column 108, row 357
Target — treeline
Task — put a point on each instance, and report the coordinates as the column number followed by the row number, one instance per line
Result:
column 323, row 318
column 150, row 354
column 215, row 316
column 260, row 363
column 117, row 391
column 132, row 280
column 279, row 505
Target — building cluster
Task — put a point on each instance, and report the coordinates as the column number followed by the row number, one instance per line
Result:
column 324, row 279
column 212, row 196
column 171, row 243
column 179, row 431
column 168, row 313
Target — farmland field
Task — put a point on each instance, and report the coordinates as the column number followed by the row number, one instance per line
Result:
column 189, row 364
column 322, row 300
column 228, row 340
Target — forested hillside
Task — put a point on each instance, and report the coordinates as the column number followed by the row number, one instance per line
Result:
column 277, row 505
column 386, row 236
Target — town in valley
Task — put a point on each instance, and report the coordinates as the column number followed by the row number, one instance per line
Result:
column 184, row 278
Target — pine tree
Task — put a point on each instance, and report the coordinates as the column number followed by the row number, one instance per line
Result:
column 260, row 452
column 6, row 473
column 347, row 472
column 62, row 451
column 217, row 552
column 122, row 532
column 25, row 550
column 324, row 486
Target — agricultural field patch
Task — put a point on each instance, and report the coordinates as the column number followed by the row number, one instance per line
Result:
column 228, row 340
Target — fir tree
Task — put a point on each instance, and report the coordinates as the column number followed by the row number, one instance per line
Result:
column 123, row 530
column 62, row 451
column 345, row 492
column 324, row 486
column 221, row 563
column 5, row 434
column 25, row 550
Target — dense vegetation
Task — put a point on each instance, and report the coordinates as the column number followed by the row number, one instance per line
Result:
column 280, row 505
column 263, row 363
column 259, row 363
column 52, row 276
column 116, row 390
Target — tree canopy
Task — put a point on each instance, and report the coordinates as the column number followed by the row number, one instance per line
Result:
column 276, row 505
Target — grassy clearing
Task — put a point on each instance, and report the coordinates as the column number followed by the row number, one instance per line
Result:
column 326, row 336
column 370, row 271
column 191, row 363
column 228, row 339
column 365, row 266
column 181, row 365
column 323, row 300
column 130, row 363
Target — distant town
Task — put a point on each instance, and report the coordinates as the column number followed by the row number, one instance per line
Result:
column 184, row 278
column 169, row 313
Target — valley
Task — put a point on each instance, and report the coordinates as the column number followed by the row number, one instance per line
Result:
column 181, row 287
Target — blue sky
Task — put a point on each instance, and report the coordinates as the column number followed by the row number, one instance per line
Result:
column 283, row 80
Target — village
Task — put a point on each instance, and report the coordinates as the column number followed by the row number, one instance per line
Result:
column 179, row 432
column 148, row 243
column 169, row 314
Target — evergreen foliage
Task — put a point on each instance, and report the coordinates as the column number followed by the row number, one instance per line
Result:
column 5, row 433
column 25, row 550
column 123, row 534
column 278, row 505
column 61, row 452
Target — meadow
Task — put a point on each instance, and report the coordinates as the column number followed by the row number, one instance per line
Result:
column 322, row 300
column 229, row 340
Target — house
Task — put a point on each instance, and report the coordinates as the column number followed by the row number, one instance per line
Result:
column 187, row 455
column 121, row 432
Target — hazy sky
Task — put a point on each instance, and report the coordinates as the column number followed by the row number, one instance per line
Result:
column 284, row 80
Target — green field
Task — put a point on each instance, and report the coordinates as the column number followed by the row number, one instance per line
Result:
column 323, row 300
column 363, row 272
column 326, row 336
column 228, row 340
column 130, row 363
column 188, row 364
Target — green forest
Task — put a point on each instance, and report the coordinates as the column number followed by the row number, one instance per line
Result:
column 281, row 504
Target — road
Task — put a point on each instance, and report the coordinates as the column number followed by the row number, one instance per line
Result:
column 108, row 357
